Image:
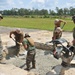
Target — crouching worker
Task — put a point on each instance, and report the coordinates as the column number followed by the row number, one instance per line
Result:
column 28, row 44
column 18, row 38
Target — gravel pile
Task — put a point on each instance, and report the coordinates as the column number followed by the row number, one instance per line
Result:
column 44, row 62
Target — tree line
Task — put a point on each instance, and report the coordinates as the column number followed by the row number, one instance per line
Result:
column 25, row 12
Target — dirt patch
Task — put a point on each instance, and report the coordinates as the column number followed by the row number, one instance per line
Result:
column 44, row 60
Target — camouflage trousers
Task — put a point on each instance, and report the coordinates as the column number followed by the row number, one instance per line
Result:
column 17, row 49
column 56, row 35
column 30, row 58
column 74, row 36
column 74, row 33
column 74, row 21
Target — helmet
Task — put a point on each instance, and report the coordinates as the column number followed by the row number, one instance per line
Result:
column 26, row 35
column 56, row 21
column 18, row 30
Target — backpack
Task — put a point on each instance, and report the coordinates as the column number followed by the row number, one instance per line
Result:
column 30, row 41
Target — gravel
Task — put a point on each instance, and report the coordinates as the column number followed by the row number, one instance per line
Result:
column 8, row 29
column 44, row 60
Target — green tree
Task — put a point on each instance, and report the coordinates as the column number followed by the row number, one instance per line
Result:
column 43, row 12
column 51, row 12
column 21, row 11
column 66, row 11
column 72, row 11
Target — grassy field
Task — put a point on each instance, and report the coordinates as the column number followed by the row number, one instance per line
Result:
column 35, row 23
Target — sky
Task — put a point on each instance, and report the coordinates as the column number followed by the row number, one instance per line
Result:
column 36, row 4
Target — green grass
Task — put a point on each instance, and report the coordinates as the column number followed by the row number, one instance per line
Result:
column 34, row 23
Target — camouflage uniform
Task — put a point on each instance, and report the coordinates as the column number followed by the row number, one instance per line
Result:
column 73, row 18
column 3, row 51
column 74, row 36
column 1, row 47
column 57, row 33
column 66, row 62
column 30, row 54
column 18, row 38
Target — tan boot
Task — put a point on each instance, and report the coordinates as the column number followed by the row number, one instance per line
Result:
column 27, row 69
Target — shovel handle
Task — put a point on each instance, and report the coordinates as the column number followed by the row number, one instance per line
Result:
column 16, row 41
